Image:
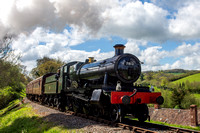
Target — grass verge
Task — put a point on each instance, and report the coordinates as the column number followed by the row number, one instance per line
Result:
column 171, row 125
column 174, row 125
column 11, row 105
column 23, row 119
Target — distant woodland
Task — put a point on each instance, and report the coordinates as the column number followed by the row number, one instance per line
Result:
column 180, row 88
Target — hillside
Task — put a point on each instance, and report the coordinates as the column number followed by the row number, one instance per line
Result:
column 191, row 78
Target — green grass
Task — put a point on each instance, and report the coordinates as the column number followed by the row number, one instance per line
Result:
column 156, row 89
column 171, row 125
column 23, row 119
column 191, row 78
column 176, row 73
column 197, row 96
column 10, row 106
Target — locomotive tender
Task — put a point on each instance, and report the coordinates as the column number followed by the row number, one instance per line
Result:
column 101, row 88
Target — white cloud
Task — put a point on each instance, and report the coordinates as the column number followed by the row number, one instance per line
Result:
column 81, row 13
column 136, row 20
column 52, row 40
column 186, row 50
column 53, row 45
column 177, row 64
column 127, row 19
column 188, row 63
column 58, row 46
column 156, row 68
column 29, row 64
column 60, row 24
column 186, row 56
column 26, row 16
column 132, row 47
column 189, row 56
column 22, row 16
column 152, row 55
column 186, row 24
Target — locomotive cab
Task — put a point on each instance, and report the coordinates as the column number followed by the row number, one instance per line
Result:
column 70, row 75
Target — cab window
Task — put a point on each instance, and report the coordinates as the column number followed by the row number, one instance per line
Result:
column 65, row 69
column 72, row 69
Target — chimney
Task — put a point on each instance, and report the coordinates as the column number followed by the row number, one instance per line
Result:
column 119, row 49
column 91, row 59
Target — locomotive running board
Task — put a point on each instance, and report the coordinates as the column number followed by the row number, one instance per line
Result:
column 81, row 98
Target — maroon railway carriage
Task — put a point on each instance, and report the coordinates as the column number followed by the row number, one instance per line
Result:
column 35, row 89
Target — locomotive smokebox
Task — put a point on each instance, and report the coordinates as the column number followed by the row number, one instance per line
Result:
column 119, row 49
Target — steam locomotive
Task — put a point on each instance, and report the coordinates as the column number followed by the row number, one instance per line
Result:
column 101, row 88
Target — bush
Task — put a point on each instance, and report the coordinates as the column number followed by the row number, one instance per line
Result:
column 12, row 82
column 8, row 94
column 167, row 101
column 178, row 94
column 178, row 99
column 189, row 100
column 11, row 75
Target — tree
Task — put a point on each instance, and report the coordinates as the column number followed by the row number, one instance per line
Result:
column 10, row 75
column 178, row 95
column 164, row 82
column 46, row 65
column 149, row 76
column 141, row 77
column 11, row 82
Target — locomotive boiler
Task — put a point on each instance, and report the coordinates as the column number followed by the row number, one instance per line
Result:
column 101, row 88
column 123, row 67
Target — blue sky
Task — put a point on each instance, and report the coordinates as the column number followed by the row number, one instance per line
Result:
column 104, row 44
column 164, row 34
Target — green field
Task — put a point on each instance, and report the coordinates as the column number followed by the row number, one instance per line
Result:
column 176, row 73
column 191, row 78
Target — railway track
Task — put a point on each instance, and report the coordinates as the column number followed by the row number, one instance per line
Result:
column 159, row 127
column 138, row 127
column 132, row 125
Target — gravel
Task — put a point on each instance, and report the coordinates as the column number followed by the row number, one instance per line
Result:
column 72, row 122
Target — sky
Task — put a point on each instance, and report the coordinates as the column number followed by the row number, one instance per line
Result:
column 164, row 34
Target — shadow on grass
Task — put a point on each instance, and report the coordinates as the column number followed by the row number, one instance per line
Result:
column 41, row 124
column 26, row 124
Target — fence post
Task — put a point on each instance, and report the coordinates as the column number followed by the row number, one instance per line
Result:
column 193, row 115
